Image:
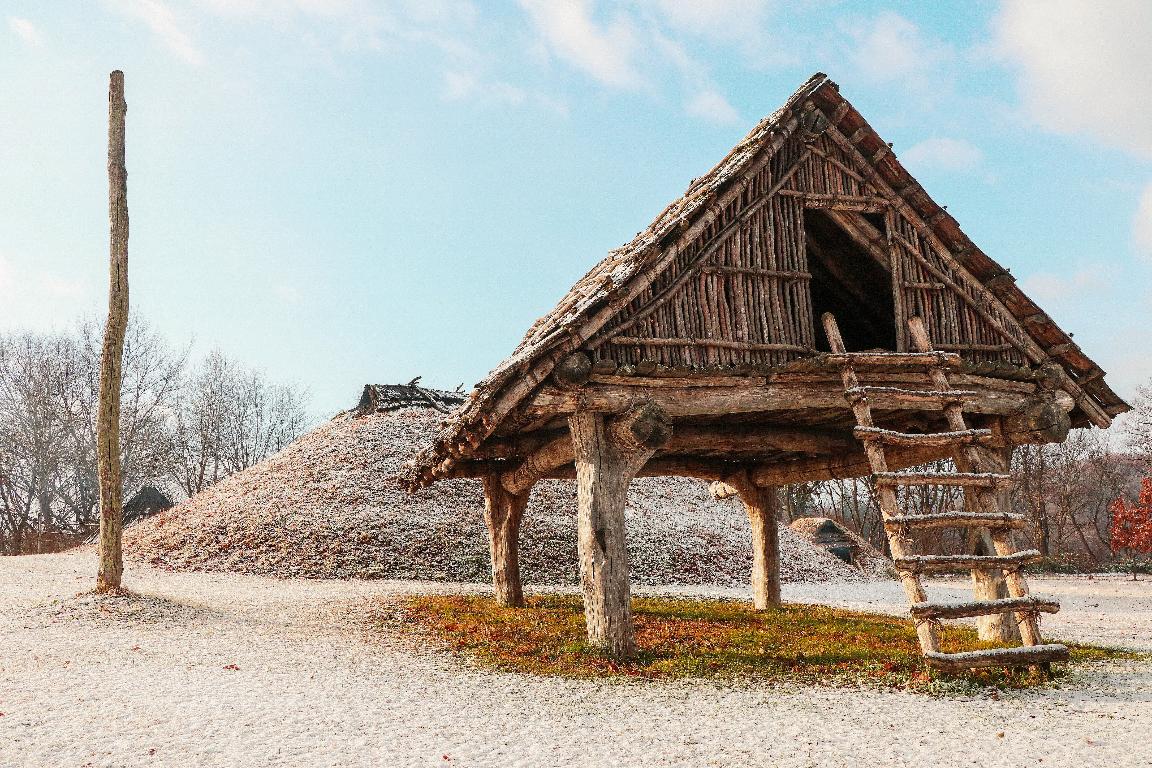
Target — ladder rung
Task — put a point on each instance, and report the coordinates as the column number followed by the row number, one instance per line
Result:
column 957, row 520
column 940, row 563
column 963, row 479
column 889, row 437
column 903, row 396
column 894, row 359
column 1022, row 656
column 929, row 610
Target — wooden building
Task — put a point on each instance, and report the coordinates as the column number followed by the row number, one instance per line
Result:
column 709, row 347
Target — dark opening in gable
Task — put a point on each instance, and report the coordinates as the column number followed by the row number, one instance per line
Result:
column 851, row 284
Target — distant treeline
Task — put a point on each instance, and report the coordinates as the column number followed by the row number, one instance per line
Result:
column 1064, row 490
column 182, row 427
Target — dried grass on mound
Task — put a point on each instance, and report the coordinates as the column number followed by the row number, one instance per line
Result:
column 329, row 506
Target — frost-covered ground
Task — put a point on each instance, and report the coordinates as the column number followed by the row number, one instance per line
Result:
column 230, row 670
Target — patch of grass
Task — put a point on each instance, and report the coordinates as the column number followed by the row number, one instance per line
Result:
column 709, row 639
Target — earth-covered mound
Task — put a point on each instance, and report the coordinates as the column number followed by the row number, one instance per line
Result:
column 329, row 506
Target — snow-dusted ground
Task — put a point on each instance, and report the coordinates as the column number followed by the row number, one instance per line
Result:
column 230, row 670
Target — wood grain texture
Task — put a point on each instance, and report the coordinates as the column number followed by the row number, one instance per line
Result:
column 608, row 453
column 763, row 506
column 110, row 568
column 503, row 513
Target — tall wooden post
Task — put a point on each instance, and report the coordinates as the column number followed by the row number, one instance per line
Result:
column 609, row 452
column 111, row 557
column 991, row 585
column 503, row 512
column 763, row 506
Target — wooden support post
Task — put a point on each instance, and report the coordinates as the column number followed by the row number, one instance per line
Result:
column 991, row 584
column 763, row 505
column 503, row 512
column 609, row 451
column 110, row 567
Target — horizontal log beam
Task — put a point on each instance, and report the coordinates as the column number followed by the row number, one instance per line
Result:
column 686, row 378
column 706, row 401
column 840, row 467
column 558, row 452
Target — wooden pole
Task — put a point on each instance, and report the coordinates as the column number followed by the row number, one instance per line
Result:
column 111, row 557
column 763, row 506
column 608, row 454
column 503, row 512
column 991, row 584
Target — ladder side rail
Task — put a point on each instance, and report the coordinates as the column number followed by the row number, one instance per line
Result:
column 969, row 459
column 926, row 630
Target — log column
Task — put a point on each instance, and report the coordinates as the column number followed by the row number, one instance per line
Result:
column 763, row 506
column 609, row 452
column 991, row 584
column 503, row 512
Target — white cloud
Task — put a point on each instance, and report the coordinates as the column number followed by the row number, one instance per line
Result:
column 725, row 21
column 166, row 24
column 466, row 85
column 26, row 31
column 704, row 100
column 713, row 107
column 571, row 34
column 1052, row 288
column 943, row 153
column 1142, row 224
column 1083, row 66
column 890, row 48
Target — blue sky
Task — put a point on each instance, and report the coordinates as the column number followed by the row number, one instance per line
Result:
column 351, row 191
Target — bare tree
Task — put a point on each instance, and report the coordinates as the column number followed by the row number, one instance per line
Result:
column 230, row 418
column 152, row 379
column 1138, row 424
column 177, row 432
column 33, row 432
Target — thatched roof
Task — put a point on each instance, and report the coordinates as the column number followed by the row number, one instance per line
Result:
column 380, row 398
column 631, row 269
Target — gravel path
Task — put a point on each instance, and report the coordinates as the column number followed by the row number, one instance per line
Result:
column 230, row 670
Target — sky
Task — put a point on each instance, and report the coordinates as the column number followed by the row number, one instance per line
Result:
column 341, row 192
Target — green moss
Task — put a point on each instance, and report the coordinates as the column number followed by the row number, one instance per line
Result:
column 709, row 638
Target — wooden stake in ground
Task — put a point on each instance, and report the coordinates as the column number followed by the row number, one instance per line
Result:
column 111, row 566
column 503, row 512
column 763, row 504
column 609, row 451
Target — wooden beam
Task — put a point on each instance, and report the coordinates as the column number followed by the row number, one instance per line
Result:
column 687, row 440
column 842, row 467
column 573, row 371
column 705, row 401
column 552, row 454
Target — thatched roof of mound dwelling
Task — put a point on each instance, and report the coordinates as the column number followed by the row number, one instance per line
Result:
column 330, row 506
column 844, row 543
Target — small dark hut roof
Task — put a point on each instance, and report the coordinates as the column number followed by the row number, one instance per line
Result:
column 380, row 398
column 611, row 283
column 148, row 498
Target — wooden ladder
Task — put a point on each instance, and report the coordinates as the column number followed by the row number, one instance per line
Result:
column 982, row 509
